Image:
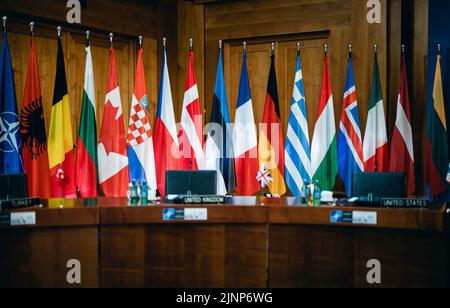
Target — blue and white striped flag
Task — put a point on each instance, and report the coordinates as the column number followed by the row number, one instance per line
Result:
column 298, row 151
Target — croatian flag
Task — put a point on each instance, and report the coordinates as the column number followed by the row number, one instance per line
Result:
column 245, row 139
column 140, row 138
column 350, row 146
column 165, row 138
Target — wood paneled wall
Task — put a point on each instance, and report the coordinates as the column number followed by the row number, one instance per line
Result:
column 337, row 22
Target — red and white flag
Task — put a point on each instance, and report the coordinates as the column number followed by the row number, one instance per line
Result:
column 191, row 137
column 112, row 148
column 165, row 136
column 402, row 147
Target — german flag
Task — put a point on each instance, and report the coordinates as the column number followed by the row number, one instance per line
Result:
column 271, row 145
column 60, row 141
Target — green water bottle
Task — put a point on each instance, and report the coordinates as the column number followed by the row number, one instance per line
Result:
column 317, row 194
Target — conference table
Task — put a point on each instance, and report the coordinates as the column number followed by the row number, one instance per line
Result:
column 253, row 242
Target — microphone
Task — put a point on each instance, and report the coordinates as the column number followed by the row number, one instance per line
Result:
column 7, row 182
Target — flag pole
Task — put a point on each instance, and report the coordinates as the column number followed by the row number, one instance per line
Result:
column 439, row 49
column 141, row 41
column 375, row 47
column 403, row 49
column 191, row 44
column 273, row 49
column 88, row 38
column 326, row 50
column 245, row 46
column 5, row 19
column 32, row 24
column 350, row 51
column 164, row 41
column 111, row 40
column 59, row 30
column 220, row 45
column 299, row 46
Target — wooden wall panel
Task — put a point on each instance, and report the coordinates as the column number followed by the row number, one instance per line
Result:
column 75, row 57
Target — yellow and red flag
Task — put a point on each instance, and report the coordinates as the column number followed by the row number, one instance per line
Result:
column 60, row 140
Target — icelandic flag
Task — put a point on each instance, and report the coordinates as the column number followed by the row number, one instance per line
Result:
column 350, row 146
column 219, row 145
column 167, row 152
column 298, row 149
column 10, row 141
column 140, row 137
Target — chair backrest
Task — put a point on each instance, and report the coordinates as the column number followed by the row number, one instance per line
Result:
column 191, row 182
column 380, row 185
column 13, row 186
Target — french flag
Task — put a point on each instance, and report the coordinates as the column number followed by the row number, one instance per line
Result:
column 245, row 139
column 165, row 140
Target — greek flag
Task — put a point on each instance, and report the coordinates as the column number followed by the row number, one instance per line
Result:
column 298, row 151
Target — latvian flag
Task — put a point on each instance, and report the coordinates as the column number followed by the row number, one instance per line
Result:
column 402, row 147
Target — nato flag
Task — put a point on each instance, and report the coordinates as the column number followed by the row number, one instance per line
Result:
column 10, row 141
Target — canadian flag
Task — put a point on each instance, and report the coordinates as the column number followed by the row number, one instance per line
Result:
column 112, row 148
column 191, row 137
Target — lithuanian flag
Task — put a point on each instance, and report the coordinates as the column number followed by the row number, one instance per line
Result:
column 271, row 145
column 60, row 141
column 436, row 164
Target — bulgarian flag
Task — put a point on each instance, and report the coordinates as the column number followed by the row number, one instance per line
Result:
column 87, row 162
column 60, row 142
column 271, row 145
column 376, row 157
column 324, row 147
column 436, row 163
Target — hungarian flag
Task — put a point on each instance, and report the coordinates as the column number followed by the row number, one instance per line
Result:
column 350, row 147
column 219, row 150
column 140, row 136
column 436, row 163
column 271, row 144
column 112, row 150
column 165, row 138
column 60, row 141
column 324, row 147
column 87, row 161
column 191, row 137
column 34, row 136
column 402, row 147
column 375, row 140
column 245, row 139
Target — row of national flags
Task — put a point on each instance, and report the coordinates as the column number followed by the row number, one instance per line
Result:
column 244, row 164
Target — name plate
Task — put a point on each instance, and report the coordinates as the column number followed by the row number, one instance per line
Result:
column 190, row 214
column 405, row 203
column 23, row 219
column 354, row 217
column 204, row 200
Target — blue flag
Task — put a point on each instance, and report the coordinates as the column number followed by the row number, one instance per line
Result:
column 10, row 140
column 350, row 146
column 219, row 146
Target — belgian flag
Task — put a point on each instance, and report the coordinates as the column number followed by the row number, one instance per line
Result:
column 60, row 141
